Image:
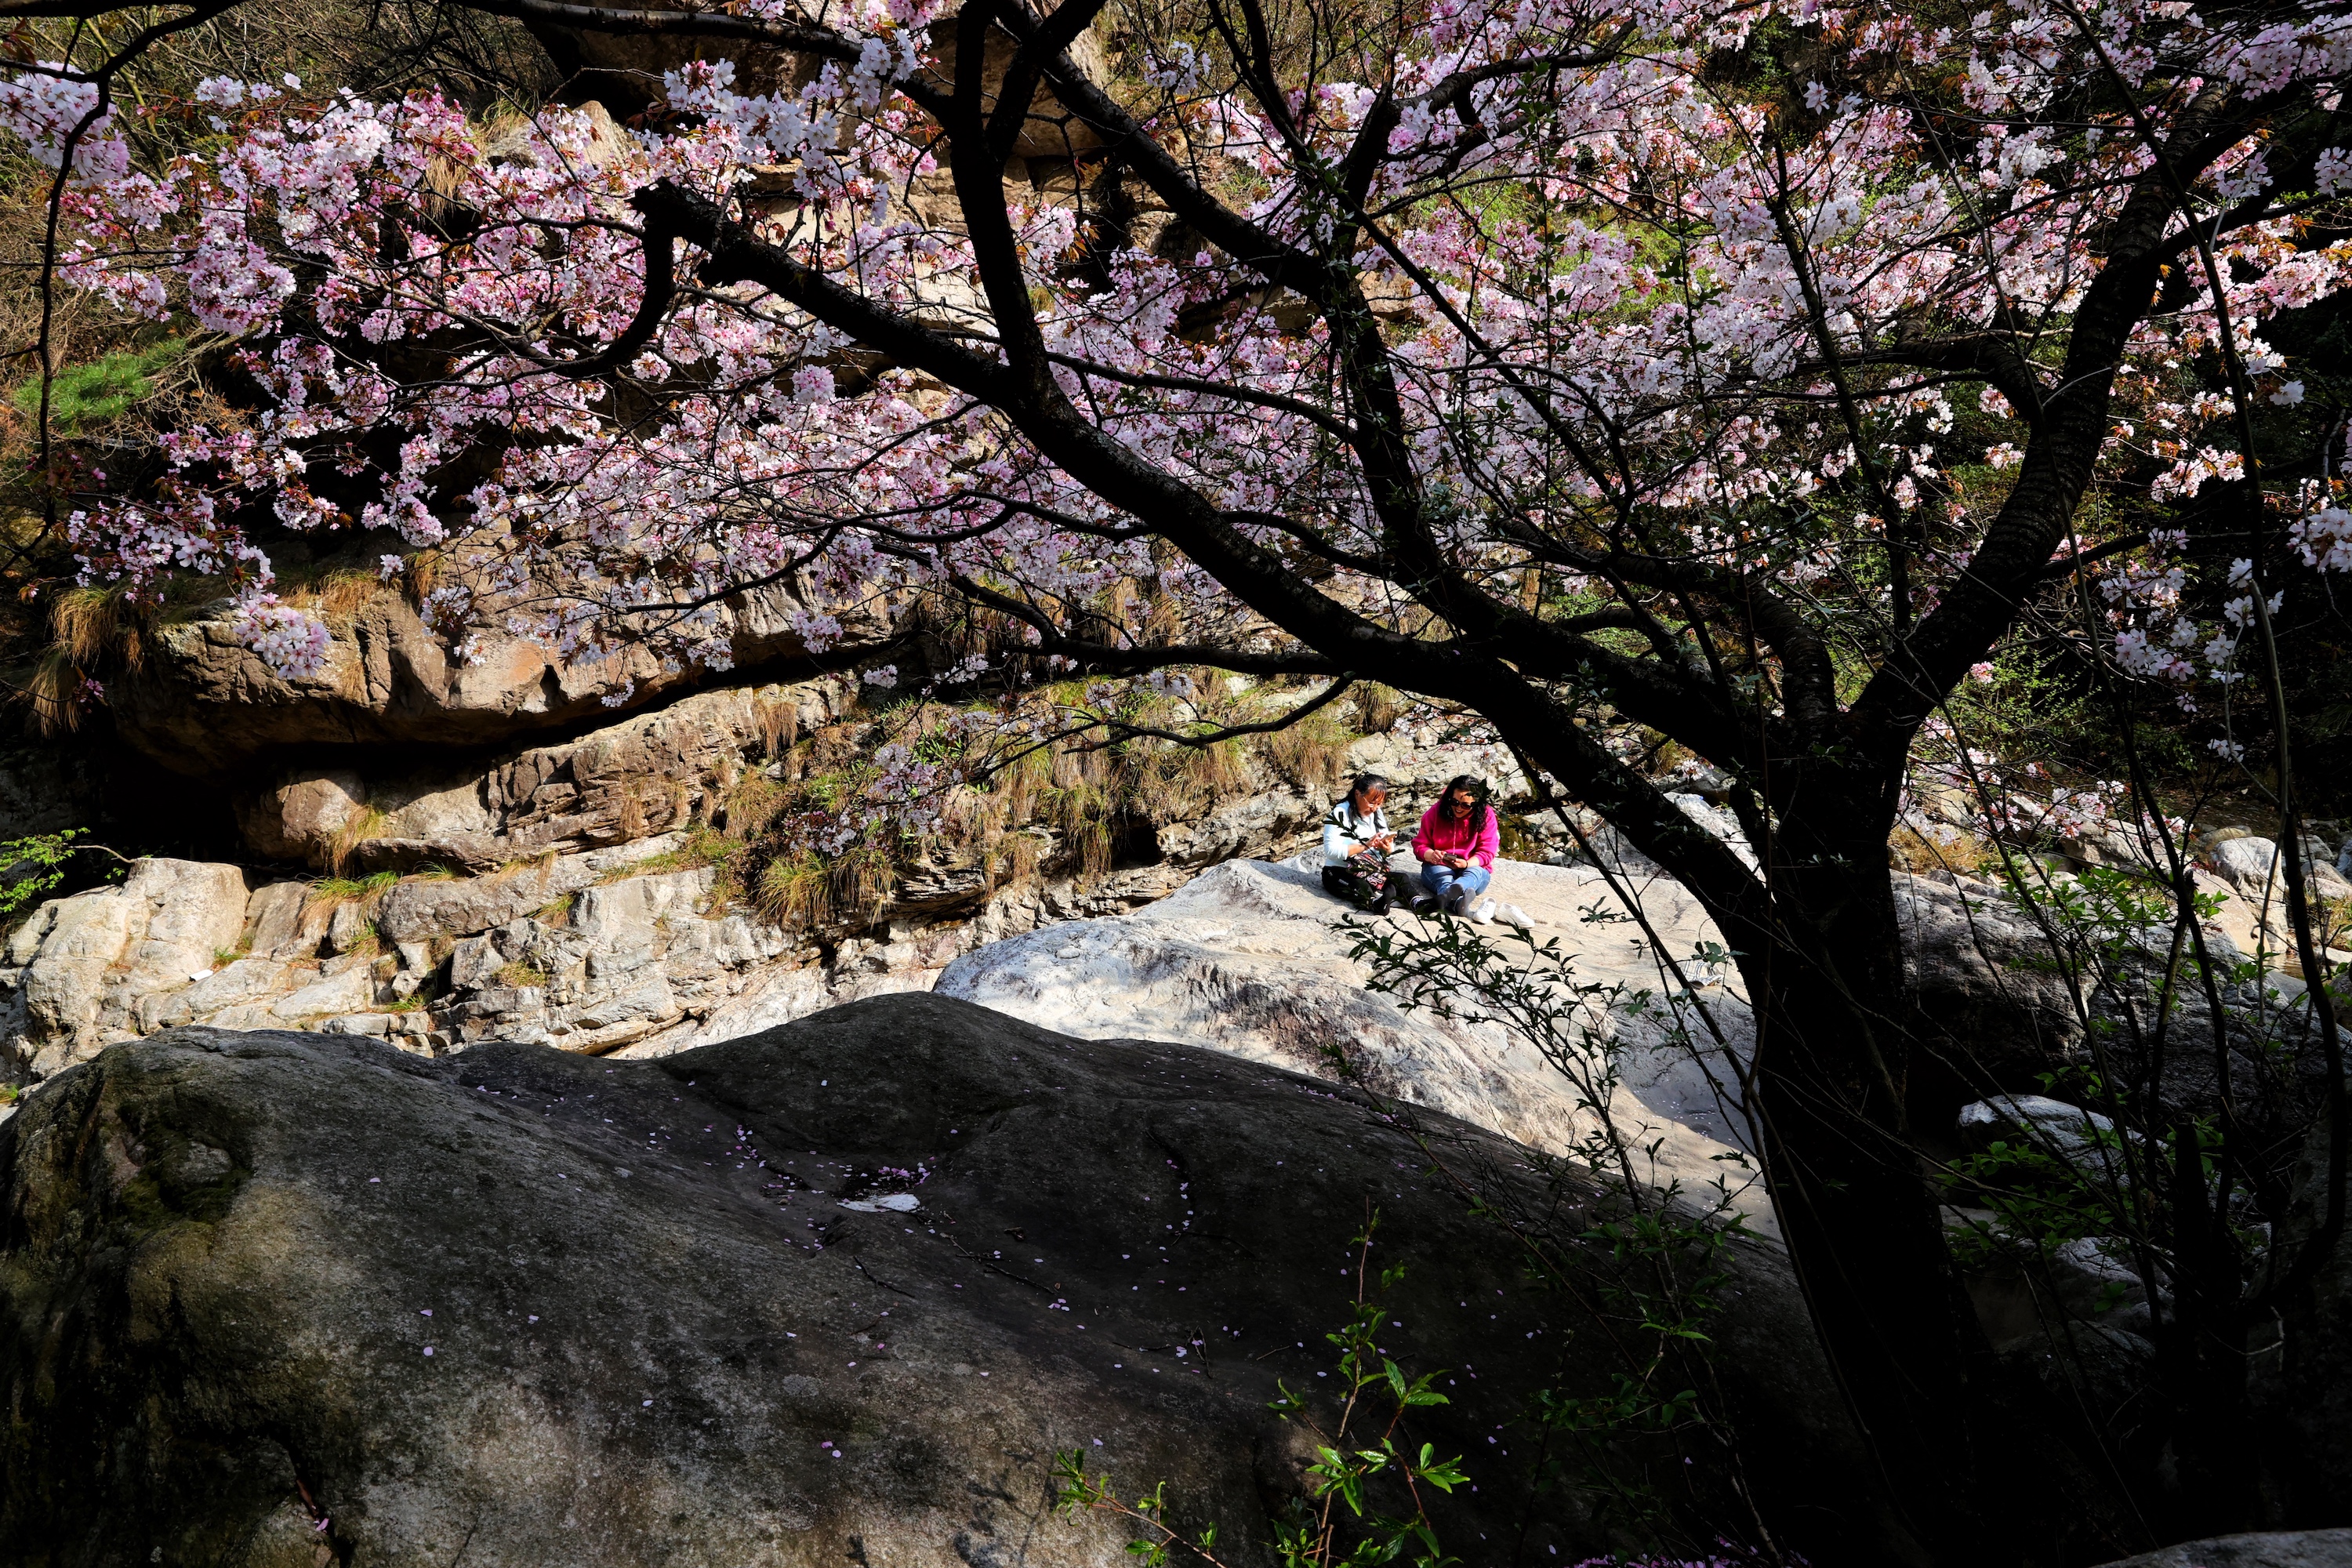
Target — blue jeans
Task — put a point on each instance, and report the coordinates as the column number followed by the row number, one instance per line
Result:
column 1441, row 880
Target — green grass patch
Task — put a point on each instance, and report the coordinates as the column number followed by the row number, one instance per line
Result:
column 342, row 889
column 83, row 396
column 704, row 845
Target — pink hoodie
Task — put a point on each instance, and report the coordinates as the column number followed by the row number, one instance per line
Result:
column 1439, row 836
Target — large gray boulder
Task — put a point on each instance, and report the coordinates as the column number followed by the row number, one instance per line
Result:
column 1253, row 958
column 837, row 1292
column 1994, row 1011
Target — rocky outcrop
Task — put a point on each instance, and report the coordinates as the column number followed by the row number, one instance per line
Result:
column 2241, row 873
column 202, row 702
column 547, row 893
column 2310, row 1414
column 643, row 775
column 611, row 947
column 1995, row 1012
column 837, row 1292
column 636, row 949
column 79, row 969
column 1252, row 958
column 182, row 940
column 2252, row 865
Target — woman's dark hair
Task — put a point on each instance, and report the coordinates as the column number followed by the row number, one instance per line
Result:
column 1362, row 782
column 1478, row 808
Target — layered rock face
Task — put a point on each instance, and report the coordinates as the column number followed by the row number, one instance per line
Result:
column 837, row 1292
column 202, row 702
column 566, row 892
column 642, row 775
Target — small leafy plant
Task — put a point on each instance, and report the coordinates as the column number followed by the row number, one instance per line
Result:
column 30, row 868
column 1662, row 1247
column 1349, row 1462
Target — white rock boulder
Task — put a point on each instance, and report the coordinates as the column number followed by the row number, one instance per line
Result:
column 77, row 970
column 1250, row 958
column 2251, row 866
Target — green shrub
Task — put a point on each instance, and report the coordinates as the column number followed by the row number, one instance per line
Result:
column 30, row 867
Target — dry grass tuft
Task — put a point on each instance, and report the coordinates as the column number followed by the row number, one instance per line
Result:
column 1939, row 848
column 357, row 828
column 754, row 802
column 779, row 727
column 806, row 891
column 342, row 594
column 419, row 575
column 794, row 891
column 541, row 863
column 1020, row 857
column 863, row 881
column 352, row 890
column 1311, row 752
column 1376, row 707
column 90, row 624
column 1085, row 814
column 53, row 690
column 1016, row 786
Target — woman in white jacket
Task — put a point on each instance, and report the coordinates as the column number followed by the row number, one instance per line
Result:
column 1356, row 844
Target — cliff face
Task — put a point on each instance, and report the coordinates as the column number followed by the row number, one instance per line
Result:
column 202, row 704
column 432, row 852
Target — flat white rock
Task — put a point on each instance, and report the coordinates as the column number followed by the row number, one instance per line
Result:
column 1250, row 959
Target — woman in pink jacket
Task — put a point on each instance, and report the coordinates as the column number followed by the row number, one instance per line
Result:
column 1456, row 846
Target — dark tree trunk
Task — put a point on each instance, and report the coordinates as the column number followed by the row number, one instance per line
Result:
column 2201, row 1350
column 1856, row 1208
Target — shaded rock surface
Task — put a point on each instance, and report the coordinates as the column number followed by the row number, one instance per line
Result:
column 1252, row 958
column 2263, row 1549
column 1994, row 1011
column 269, row 1293
column 2310, row 1405
column 45, row 786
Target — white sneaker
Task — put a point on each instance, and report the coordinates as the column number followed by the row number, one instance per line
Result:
column 1483, row 914
column 1517, row 918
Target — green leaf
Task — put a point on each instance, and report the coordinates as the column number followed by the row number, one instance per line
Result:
column 1444, row 1476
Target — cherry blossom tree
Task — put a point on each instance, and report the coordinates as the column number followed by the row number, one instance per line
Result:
column 1554, row 360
